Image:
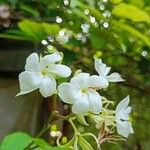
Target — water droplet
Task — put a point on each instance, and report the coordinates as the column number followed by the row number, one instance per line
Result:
column 86, row 11
column 105, row 25
column 144, row 53
column 58, row 19
column 61, row 33
column 85, row 27
column 50, row 38
column 105, row 1
column 66, row 2
column 102, row 7
column 92, row 19
column 44, row 42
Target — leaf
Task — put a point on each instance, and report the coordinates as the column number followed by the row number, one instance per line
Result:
column 52, row 29
column 84, row 144
column 97, row 41
column 73, row 3
column 95, row 12
column 82, row 120
column 30, row 10
column 15, row 37
column 132, row 31
column 16, row 140
column 41, row 143
column 32, row 29
column 116, row 1
column 131, row 12
column 45, row 146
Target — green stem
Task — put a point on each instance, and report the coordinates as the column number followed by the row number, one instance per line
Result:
column 73, row 126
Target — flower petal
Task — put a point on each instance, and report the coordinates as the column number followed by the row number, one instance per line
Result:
column 67, row 93
column 101, row 68
column 115, row 77
column 124, row 128
column 32, row 63
column 123, row 104
column 95, row 102
column 47, row 86
column 60, row 70
column 81, row 105
column 29, row 82
column 80, row 81
column 48, row 59
column 98, row 82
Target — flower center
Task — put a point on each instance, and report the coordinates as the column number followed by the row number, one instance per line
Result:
column 84, row 91
column 44, row 72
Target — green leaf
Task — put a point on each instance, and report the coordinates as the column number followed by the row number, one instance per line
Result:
column 32, row 29
column 52, row 29
column 132, row 31
column 15, row 37
column 30, row 10
column 84, row 144
column 131, row 12
column 16, row 140
column 45, row 146
column 97, row 41
column 82, row 120
column 116, row 1
column 42, row 144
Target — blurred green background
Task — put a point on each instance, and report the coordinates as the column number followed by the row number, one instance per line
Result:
column 118, row 31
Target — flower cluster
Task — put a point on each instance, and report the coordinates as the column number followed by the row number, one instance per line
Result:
column 82, row 92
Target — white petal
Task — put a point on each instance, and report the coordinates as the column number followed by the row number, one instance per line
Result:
column 115, row 77
column 48, row 59
column 95, row 102
column 60, row 70
column 47, row 86
column 81, row 106
column 124, row 128
column 28, row 82
column 80, row 81
column 98, row 82
column 123, row 114
column 67, row 93
column 123, row 104
column 101, row 68
column 32, row 63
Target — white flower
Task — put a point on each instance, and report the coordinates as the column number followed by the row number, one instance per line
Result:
column 103, row 72
column 80, row 92
column 124, row 127
column 40, row 74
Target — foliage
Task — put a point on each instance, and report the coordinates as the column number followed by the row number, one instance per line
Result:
column 119, row 34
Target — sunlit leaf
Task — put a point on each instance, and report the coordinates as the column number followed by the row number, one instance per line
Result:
column 131, row 12
column 32, row 29
column 16, row 140
column 82, row 120
column 132, row 31
column 52, row 29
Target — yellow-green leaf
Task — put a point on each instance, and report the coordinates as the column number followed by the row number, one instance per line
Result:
column 84, row 144
column 52, row 29
column 82, row 120
column 131, row 12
